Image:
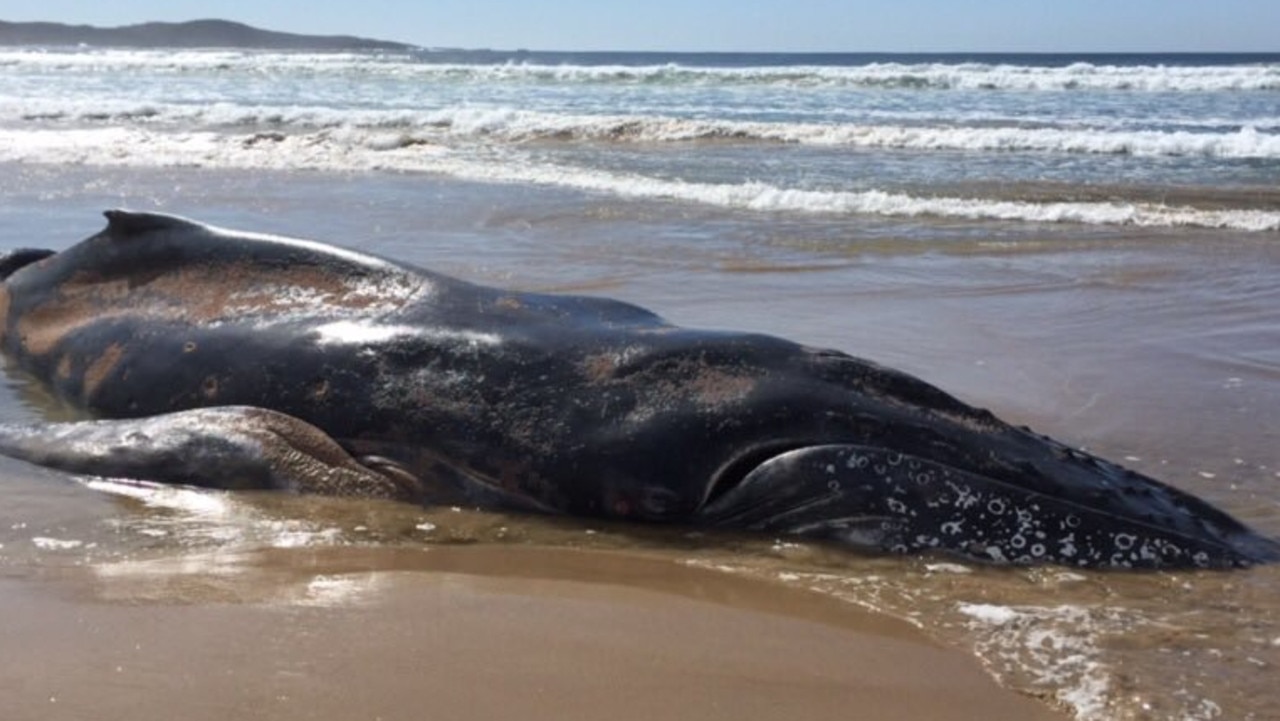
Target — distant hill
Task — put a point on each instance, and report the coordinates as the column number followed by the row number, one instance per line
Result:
column 194, row 34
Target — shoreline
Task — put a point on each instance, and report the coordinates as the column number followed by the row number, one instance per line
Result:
column 454, row 632
column 1148, row 348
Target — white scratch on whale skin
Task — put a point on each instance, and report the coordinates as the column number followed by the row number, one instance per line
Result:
column 355, row 333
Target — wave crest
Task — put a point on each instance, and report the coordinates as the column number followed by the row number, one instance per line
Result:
column 351, row 149
column 1078, row 76
column 1258, row 139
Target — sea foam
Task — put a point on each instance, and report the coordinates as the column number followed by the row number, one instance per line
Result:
column 346, row 149
column 1078, row 76
column 1255, row 140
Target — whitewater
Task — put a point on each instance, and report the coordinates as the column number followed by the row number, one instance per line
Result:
column 947, row 137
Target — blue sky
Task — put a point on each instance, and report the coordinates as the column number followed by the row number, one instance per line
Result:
column 765, row 25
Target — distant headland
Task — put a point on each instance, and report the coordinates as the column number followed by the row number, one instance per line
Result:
column 193, row 34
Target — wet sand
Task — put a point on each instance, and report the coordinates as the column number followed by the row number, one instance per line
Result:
column 1154, row 349
column 650, row 640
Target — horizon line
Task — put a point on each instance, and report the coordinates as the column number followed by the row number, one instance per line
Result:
column 517, row 50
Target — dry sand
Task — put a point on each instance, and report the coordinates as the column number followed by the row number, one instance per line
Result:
column 473, row 633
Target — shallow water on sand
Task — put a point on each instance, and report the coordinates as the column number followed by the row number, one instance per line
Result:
column 1158, row 349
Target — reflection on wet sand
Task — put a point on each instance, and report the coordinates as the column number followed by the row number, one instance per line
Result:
column 475, row 632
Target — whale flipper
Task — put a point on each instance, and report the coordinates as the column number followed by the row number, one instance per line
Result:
column 228, row 447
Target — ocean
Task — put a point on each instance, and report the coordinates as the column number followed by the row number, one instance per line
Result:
column 1100, row 141
column 1089, row 245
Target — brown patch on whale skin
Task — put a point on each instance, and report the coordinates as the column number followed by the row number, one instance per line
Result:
column 715, row 387
column 671, row 385
column 600, row 367
column 100, row 368
column 64, row 367
column 209, row 388
column 41, row 329
column 82, row 299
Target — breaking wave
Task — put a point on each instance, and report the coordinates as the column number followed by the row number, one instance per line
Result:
column 352, row 149
column 1258, row 139
column 1076, row 76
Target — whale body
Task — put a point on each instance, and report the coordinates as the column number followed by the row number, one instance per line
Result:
column 227, row 359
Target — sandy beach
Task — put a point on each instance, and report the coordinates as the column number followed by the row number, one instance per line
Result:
column 1083, row 243
column 452, row 633
column 154, row 605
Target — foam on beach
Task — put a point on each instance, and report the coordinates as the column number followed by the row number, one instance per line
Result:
column 1054, row 648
